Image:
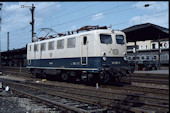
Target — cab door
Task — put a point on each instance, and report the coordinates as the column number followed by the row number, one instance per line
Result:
column 36, row 54
column 29, row 56
column 84, row 50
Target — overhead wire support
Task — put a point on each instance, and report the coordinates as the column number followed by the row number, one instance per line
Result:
column 32, row 8
column 32, row 23
column 0, row 36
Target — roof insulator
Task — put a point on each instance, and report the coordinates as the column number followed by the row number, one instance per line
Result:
column 146, row 5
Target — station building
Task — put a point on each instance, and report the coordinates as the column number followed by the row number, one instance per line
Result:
column 148, row 42
column 148, row 50
column 15, row 57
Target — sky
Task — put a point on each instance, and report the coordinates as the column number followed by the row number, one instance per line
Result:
column 68, row 16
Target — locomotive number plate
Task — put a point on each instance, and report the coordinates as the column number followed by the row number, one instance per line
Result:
column 116, row 62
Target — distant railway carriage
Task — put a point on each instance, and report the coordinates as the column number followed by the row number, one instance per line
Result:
column 95, row 54
column 148, row 59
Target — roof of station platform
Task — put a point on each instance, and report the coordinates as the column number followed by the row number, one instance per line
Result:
column 146, row 31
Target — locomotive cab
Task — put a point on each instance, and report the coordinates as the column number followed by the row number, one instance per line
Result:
column 113, row 52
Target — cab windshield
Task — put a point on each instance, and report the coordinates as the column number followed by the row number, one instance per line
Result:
column 120, row 39
column 105, row 39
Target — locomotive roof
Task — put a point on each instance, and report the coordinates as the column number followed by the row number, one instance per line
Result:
column 78, row 34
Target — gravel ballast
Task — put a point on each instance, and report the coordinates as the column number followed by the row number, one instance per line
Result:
column 10, row 103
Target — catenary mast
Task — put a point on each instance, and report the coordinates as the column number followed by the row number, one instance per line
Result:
column 0, row 34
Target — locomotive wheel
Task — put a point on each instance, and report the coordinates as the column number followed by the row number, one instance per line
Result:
column 33, row 73
column 43, row 74
column 87, row 78
column 117, row 79
column 65, row 76
column 84, row 77
column 104, row 77
column 38, row 74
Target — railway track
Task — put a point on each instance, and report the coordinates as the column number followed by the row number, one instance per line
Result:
column 152, row 76
column 95, row 100
column 145, row 78
column 51, row 98
column 141, row 90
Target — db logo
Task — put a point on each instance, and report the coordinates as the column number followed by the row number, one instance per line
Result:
column 165, row 44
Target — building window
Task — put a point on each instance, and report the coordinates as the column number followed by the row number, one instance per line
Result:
column 133, row 58
column 71, row 42
column 137, row 58
column 153, row 46
column 35, row 47
column 142, row 57
column 129, row 58
column 164, row 57
column 154, row 57
column 43, row 46
column 51, row 45
column 147, row 57
column 60, row 44
column 161, row 45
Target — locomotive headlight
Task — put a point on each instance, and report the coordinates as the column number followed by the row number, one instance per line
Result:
column 104, row 57
column 125, row 57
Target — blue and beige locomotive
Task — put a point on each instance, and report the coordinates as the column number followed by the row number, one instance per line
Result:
column 96, row 54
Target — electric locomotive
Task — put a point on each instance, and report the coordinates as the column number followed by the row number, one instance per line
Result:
column 98, row 53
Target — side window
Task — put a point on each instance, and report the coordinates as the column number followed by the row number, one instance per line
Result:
column 35, row 47
column 120, row 39
column 84, row 40
column 43, row 46
column 60, row 44
column 71, row 42
column 51, row 45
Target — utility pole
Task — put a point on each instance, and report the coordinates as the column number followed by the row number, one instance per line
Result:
column 159, row 53
column 8, row 41
column 32, row 8
column 32, row 23
column 0, row 38
column 136, row 67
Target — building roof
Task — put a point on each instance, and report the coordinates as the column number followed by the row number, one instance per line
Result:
column 15, row 51
column 146, row 31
